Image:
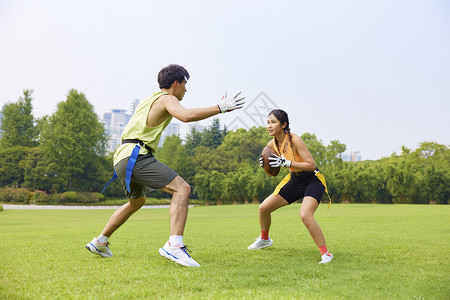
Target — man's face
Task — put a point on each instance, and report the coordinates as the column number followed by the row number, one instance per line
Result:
column 180, row 89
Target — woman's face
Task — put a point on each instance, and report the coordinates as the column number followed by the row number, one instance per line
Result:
column 274, row 125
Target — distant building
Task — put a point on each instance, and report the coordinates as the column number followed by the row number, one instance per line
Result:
column 134, row 105
column 115, row 121
column 196, row 126
column 171, row 129
column 351, row 156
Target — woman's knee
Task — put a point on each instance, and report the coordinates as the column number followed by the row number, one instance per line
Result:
column 264, row 209
column 306, row 216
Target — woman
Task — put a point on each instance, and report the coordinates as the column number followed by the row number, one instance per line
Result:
column 303, row 181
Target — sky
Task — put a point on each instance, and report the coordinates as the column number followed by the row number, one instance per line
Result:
column 374, row 75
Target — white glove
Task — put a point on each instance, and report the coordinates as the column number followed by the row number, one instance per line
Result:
column 227, row 105
column 261, row 161
column 276, row 161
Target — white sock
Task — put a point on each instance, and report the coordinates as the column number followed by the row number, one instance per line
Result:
column 176, row 241
column 102, row 239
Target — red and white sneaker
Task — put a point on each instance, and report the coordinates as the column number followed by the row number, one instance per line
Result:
column 326, row 258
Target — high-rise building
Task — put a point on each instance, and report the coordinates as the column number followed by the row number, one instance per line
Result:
column 171, row 129
column 351, row 156
column 114, row 123
column 133, row 106
column 196, row 126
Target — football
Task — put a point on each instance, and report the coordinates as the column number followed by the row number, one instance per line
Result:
column 265, row 154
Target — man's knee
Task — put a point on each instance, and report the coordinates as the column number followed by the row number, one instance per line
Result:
column 183, row 189
column 137, row 203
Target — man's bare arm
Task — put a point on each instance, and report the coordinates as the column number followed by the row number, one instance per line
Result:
column 183, row 114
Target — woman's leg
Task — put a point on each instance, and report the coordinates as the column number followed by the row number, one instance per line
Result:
column 307, row 210
column 309, row 206
column 269, row 205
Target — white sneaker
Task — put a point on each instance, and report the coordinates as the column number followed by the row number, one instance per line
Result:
column 260, row 243
column 95, row 247
column 179, row 255
column 326, row 258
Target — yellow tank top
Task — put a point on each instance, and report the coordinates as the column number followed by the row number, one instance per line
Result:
column 136, row 128
column 289, row 154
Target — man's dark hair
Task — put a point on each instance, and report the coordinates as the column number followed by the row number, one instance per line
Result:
column 169, row 74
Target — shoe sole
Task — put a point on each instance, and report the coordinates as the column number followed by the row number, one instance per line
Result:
column 173, row 258
column 94, row 250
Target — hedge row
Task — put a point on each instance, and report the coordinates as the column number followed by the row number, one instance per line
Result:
column 25, row 196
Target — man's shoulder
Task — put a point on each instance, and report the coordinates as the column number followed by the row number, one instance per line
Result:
column 167, row 97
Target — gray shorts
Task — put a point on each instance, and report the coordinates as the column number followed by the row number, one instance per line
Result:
column 147, row 172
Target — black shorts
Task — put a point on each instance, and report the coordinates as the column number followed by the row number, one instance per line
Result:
column 300, row 185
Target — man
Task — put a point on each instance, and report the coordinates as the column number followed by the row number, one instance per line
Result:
column 136, row 167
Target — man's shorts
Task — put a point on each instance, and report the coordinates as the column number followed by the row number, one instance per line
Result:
column 147, row 172
column 300, row 185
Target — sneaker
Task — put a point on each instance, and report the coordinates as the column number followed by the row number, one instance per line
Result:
column 95, row 247
column 260, row 243
column 326, row 258
column 179, row 255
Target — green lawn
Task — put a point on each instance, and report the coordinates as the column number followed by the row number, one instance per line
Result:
column 381, row 252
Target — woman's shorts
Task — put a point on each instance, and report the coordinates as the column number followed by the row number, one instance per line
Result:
column 300, row 185
column 147, row 172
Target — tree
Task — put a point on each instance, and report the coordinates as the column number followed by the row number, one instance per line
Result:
column 210, row 159
column 213, row 136
column 40, row 173
column 18, row 123
column 333, row 153
column 174, row 155
column 72, row 137
column 10, row 173
column 315, row 147
column 201, row 186
column 192, row 141
column 246, row 145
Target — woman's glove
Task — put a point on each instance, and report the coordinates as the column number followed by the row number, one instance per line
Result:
column 276, row 161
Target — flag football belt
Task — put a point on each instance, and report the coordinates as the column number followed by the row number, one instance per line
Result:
column 131, row 161
column 322, row 179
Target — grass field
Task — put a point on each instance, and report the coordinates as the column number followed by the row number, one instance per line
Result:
column 381, row 252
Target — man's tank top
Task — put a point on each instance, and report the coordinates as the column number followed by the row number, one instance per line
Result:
column 136, row 128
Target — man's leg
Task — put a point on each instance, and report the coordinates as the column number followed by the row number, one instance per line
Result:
column 180, row 191
column 122, row 214
column 99, row 245
column 175, row 249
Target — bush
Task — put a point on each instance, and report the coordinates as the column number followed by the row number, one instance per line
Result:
column 1, row 207
column 10, row 194
column 56, row 199
column 5, row 195
column 100, row 197
column 81, row 197
column 41, row 197
column 70, row 196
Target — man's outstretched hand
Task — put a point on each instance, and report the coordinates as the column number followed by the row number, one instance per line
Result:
column 231, row 104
